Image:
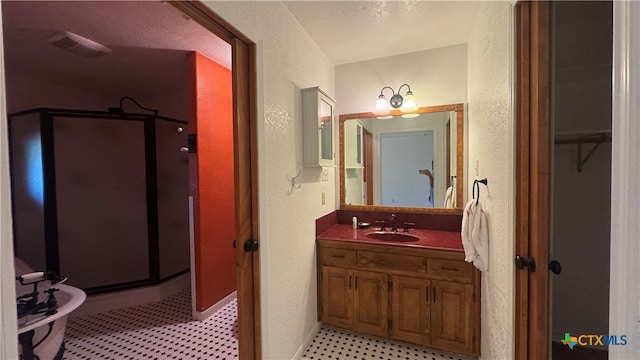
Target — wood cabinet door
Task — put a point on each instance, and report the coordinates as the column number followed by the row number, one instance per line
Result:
column 337, row 296
column 371, row 304
column 451, row 316
column 410, row 309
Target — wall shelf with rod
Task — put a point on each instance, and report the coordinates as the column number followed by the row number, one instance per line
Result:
column 580, row 139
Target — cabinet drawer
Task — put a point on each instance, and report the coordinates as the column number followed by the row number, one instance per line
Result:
column 391, row 262
column 338, row 257
column 450, row 269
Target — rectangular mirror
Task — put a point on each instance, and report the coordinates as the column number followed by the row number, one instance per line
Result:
column 403, row 162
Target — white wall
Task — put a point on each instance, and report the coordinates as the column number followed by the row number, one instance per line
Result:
column 436, row 77
column 491, row 143
column 8, row 318
column 28, row 92
column 287, row 61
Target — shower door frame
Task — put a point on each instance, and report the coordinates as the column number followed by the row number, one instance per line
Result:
column 51, row 240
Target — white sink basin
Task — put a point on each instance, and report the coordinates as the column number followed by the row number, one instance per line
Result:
column 392, row 236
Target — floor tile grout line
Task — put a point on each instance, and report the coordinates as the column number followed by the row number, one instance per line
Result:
column 161, row 330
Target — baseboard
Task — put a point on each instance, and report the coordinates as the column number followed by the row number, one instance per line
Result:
column 307, row 340
column 203, row 315
column 133, row 297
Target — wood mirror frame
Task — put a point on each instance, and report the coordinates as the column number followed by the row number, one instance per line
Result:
column 459, row 109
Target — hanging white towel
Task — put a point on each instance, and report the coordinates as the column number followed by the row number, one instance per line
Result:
column 453, row 197
column 449, row 195
column 480, row 238
column 468, row 219
column 475, row 235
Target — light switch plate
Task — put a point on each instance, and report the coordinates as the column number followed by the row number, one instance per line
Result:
column 325, row 174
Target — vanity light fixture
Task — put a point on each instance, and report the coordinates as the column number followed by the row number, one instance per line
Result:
column 405, row 104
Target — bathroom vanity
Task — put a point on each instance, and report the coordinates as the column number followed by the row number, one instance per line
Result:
column 419, row 290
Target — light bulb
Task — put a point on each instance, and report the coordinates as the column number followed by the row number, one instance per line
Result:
column 382, row 106
column 409, row 104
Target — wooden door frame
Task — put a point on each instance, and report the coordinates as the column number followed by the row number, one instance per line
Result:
column 246, row 171
column 533, row 177
column 367, row 141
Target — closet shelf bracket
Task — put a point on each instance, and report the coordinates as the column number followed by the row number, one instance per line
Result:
column 580, row 161
column 580, row 140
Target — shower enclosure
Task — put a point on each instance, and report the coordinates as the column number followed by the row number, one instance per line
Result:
column 101, row 197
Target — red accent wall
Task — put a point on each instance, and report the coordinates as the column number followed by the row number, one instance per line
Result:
column 212, row 179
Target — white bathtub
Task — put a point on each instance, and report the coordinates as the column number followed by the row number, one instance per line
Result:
column 68, row 298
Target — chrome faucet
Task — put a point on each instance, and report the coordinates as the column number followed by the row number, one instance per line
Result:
column 394, row 222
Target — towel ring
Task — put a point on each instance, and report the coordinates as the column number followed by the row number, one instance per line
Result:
column 476, row 184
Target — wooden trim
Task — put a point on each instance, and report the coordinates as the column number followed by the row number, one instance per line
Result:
column 533, row 161
column 522, row 177
column 342, row 167
column 253, row 130
column 367, row 160
column 204, row 16
column 246, row 199
column 459, row 108
column 460, row 158
column 246, row 171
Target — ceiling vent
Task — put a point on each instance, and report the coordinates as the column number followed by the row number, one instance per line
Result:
column 78, row 45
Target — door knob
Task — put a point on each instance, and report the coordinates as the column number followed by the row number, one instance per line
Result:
column 555, row 267
column 529, row 263
column 250, row 245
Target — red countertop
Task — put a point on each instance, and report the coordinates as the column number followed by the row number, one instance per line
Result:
column 427, row 239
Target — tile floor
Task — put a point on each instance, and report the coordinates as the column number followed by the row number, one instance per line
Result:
column 165, row 330
column 332, row 343
column 162, row 330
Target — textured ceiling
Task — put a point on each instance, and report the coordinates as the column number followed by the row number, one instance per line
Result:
column 350, row 31
column 149, row 38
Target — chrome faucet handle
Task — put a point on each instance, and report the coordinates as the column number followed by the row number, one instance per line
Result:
column 394, row 222
column 407, row 225
column 381, row 222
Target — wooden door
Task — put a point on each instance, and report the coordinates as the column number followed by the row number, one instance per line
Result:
column 371, row 303
column 451, row 318
column 533, row 170
column 337, row 297
column 245, row 160
column 367, row 143
column 410, row 309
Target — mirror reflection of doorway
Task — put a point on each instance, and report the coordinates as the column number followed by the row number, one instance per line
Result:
column 402, row 157
column 367, row 144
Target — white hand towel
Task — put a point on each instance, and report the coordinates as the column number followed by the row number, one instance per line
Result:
column 448, row 204
column 468, row 218
column 453, row 197
column 480, row 238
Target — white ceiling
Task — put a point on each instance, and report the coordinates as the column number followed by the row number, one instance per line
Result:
column 351, row 31
column 149, row 38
